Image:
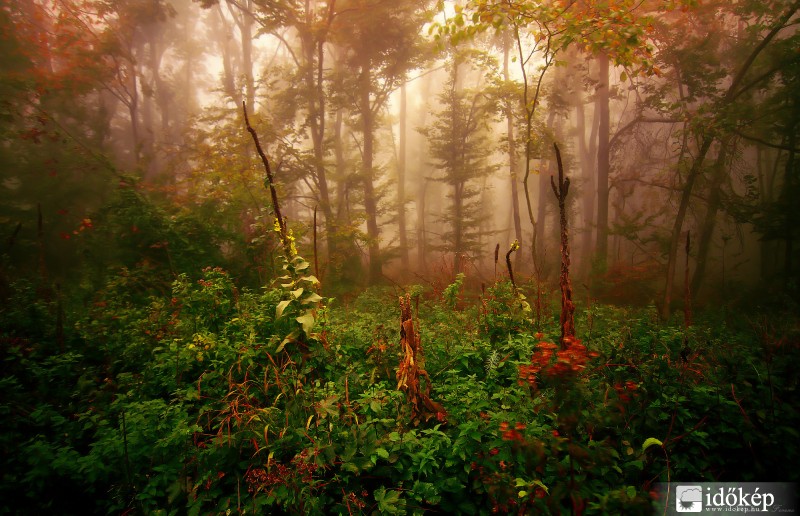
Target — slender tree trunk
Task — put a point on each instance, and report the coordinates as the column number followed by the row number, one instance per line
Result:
column 709, row 221
column 401, row 179
column 767, row 172
column 422, row 186
column 341, row 168
column 541, row 213
column 222, row 34
column 603, row 165
column 687, row 290
column 513, row 162
column 789, row 189
column 342, row 249
column 587, row 153
column 43, row 276
column 588, row 185
column 541, row 209
column 458, row 227
column 133, row 112
column 243, row 17
column 245, row 22
column 368, row 172
column 156, row 98
column 314, row 54
column 567, row 318
column 683, row 207
column 162, row 94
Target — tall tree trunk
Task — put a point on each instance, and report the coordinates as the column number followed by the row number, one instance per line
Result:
column 133, row 112
column 603, row 165
column 541, row 209
column 341, row 166
column 541, row 213
column 767, row 172
column 368, row 172
column 588, row 166
column 245, row 22
column 242, row 14
column 422, row 258
column 422, row 185
column 709, row 221
column 314, row 54
column 567, row 318
column 458, row 227
column 156, row 98
column 161, row 90
column 788, row 194
column 458, row 185
column 513, row 162
column 683, row 207
column 221, row 31
column 401, row 179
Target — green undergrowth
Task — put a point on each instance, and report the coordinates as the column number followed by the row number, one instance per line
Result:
column 212, row 399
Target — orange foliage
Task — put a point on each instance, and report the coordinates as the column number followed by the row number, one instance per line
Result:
column 547, row 363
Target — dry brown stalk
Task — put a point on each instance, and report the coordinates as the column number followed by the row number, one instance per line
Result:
column 412, row 367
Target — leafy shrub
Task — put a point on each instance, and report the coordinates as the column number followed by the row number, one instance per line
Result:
column 210, row 397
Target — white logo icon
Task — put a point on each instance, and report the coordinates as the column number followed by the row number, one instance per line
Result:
column 688, row 499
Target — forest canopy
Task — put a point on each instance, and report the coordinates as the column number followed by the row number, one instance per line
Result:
column 408, row 139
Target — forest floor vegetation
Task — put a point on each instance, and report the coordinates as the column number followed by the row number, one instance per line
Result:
column 213, row 398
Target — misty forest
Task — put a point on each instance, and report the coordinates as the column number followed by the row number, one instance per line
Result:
column 396, row 257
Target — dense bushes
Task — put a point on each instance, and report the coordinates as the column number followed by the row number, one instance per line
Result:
column 214, row 398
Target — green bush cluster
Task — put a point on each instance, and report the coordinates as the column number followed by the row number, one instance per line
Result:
column 213, row 398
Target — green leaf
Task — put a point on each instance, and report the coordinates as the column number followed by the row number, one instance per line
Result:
column 387, row 501
column 631, row 492
column 538, row 483
column 289, row 338
column 307, row 320
column 312, row 298
column 281, row 307
column 349, row 466
column 382, row 453
column 651, row 441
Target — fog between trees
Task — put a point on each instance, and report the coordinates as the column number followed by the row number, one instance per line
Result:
column 408, row 139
